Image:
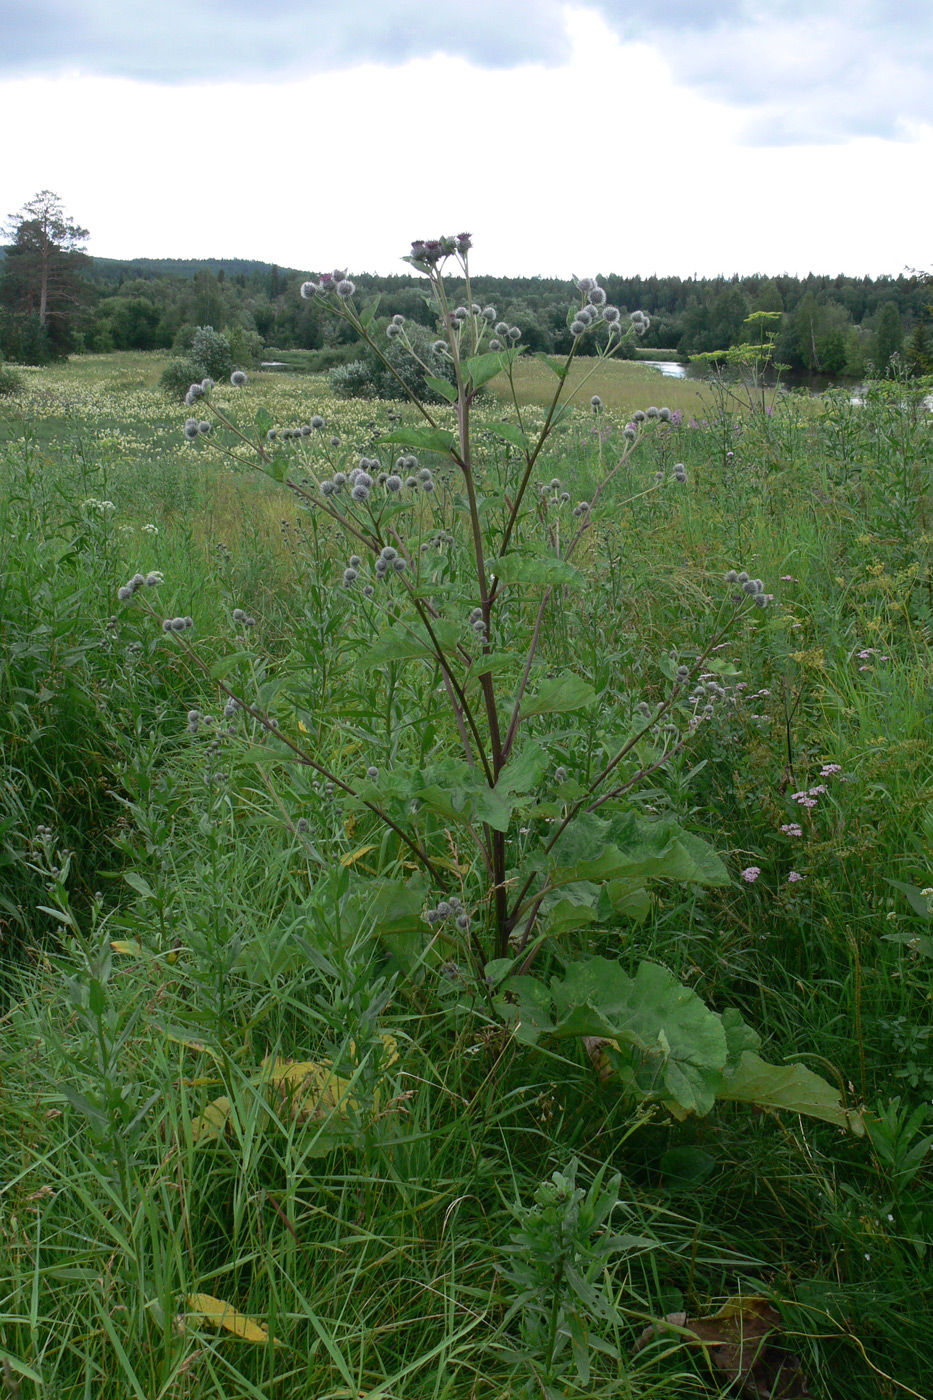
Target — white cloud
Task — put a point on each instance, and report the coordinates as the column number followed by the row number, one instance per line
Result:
column 801, row 70
column 604, row 164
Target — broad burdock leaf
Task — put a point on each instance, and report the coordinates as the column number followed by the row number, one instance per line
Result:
column 663, row 1042
column 460, row 793
column 512, row 434
column 559, row 371
column 679, row 1043
column 524, row 771
column 228, row 663
column 559, row 695
column 428, row 439
column 627, row 847
column 443, row 387
column 408, row 642
column 481, row 368
column 793, row 1088
column 919, row 902
column 545, row 570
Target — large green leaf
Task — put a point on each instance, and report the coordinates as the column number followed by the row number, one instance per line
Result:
column 679, row 1044
column 408, row 641
column 627, row 847
column 558, row 695
column 560, row 370
column 524, row 1003
column 663, row 1042
column 443, row 387
column 524, row 771
column 459, row 793
column 482, row 368
column 793, row 1088
column 369, row 309
column 493, row 663
column 428, row 439
column 510, row 433
column 540, row 570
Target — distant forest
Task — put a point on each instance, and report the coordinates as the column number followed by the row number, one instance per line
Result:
column 830, row 325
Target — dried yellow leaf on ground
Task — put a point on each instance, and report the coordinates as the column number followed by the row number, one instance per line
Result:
column 309, row 1088
column 212, row 1122
column 217, row 1313
column 353, row 856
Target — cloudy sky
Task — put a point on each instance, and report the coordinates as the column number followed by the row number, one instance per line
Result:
column 634, row 136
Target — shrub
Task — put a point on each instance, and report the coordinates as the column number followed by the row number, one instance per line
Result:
column 178, row 376
column 371, row 375
column 184, row 338
column 352, row 381
column 211, row 353
column 10, row 381
column 245, row 347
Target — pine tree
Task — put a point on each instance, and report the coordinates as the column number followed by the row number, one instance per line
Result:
column 42, row 287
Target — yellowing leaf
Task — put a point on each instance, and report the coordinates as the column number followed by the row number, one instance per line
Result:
column 125, row 945
column 303, row 727
column 352, row 857
column 212, row 1123
column 301, row 1090
column 309, row 1088
column 217, row 1313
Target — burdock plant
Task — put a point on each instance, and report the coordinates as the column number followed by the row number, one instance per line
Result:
column 519, row 535
column 458, row 556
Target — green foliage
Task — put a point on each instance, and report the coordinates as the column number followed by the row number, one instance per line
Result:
column 211, row 353
column 662, row 1042
column 42, row 288
column 10, row 381
column 178, row 376
column 257, row 938
column 556, row 1262
column 351, row 381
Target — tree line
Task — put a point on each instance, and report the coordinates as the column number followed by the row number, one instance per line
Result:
column 56, row 300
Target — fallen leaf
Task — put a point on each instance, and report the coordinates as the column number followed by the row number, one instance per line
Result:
column 217, row 1313
column 738, row 1342
column 212, row 1123
column 353, row 856
column 303, row 1090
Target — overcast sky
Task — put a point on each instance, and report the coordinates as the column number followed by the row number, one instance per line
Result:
column 633, row 136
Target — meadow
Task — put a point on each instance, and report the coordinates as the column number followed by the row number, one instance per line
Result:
column 271, row 1122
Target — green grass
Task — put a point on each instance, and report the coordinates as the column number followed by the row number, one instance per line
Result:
column 368, row 1238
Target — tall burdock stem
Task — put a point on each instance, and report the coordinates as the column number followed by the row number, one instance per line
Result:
column 474, row 347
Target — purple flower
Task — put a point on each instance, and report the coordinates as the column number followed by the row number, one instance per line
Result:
column 793, row 877
column 750, row 875
column 829, row 769
column 792, row 829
